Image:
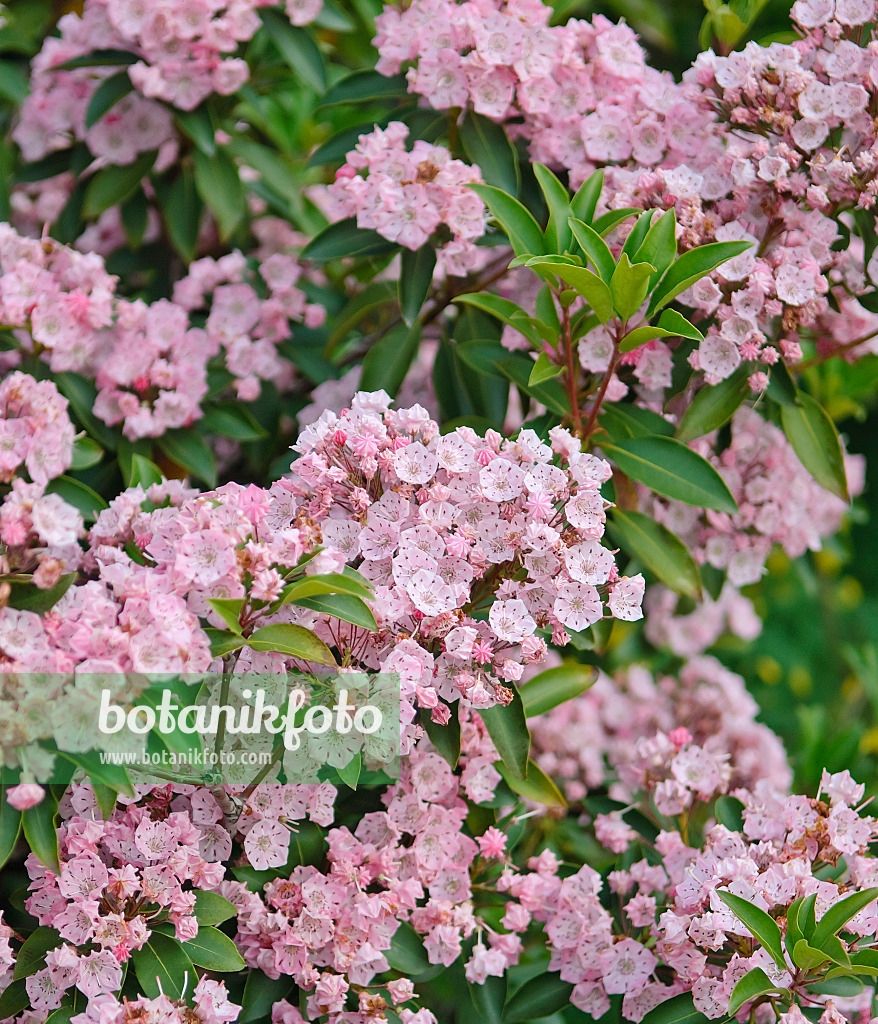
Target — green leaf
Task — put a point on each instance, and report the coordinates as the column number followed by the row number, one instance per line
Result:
column 517, row 367
column 671, row 325
column 111, row 185
column 539, row 997
column 407, row 954
column 518, row 223
column 815, row 441
column 86, row 453
column 544, row 369
column 341, row 606
column 213, row 951
column 388, row 361
column 537, row 787
column 595, row 248
column 344, row 238
column 557, row 235
column 350, row 773
column 833, row 947
column 585, row 202
column 415, row 278
column 99, row 59
column 781, row 386
column 670, row 468
column 838, row 985
column 488, row 999
column 232, row 420
column 182, row 210
column 838, row 915
column 143, row 471
column 691, row 267
column 713, row 407
column 595, row 291
column 10, row 827
column 676, row 1010
column 445, row 738
column 223, row 643
column 296, row 47
column 32, row 955
column 755, row 983
column 806, row 956
column 162, row 967
column 622, row 420
column 106, row 96
column 113, row 775
column 507, row 727
column 229, row 609
column 260, row 995
column 188, row 449
column 105, row 797
column 729, row 812
column 27, row 597
column 629, row 286
column 41, row 833
column 295, row 641
column 14, row 999
column 659, row 247
column 198, row 125
column 510, row 313
column 82, row 394
column 219, row 184
column 554, row 686
column 365, row 86
column 865, row 962
column 487, row 145
column 75, row 493
column 613, row 218
column 325, row 583
column 759, row 924
column 658, row 549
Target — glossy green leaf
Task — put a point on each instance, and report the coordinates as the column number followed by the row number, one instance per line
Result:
column 670, row 468
column 841, row 984
column 760, row 925
column 81, row 393
column 389, row 359
column 111, row 185
column 407, row 954
column 182, row 211
column 39, row 824
column 585, row 201
column 365, row 86
column 865, row 962
column 188, row 449
column 544, row 369
column 487, row 145
column 221, row 189
column 691, row 267
column 295, row 641
column 595, row 248
column 325, row 583
column 344, row 238
column 143, row 471
column 518, row 223
column 28, row 597
column 670, row 325
column 415, row 278
column 232, row 420
column 296, row 47
column 223, row 642
column 613, row 218
column 806, row 956
column 260, row 995
column 539, row 997
column 518, row 367
column 537, row 786
column 815, row 441
column 557, row 234
column 510, row 313
column 507, row 727
column 10, row 827
column 554, row 686
column 106, row 58
column 838, row 915
column 113, row 775
column 198, row 125
column 594, row 290
column 637, row 234
column 755, row 983
column 86, row 453
column 445, row 738
column 622, row 420
column 163, row 968
column 106, row 96
column 341, row 606
column 629, row 286
column 32, row 955
column 229, row 609
column 135, row 217
column 676, row 1010
column 659, row 247
column 713, row 407
column 657, row 549
column 13, row 999
column 213, row 951
column 489, row 999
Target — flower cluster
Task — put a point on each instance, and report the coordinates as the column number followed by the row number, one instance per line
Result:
column 211, row 1005
column 406, row 195
column 148, row 361
column 38, row 531
column 779, row 502
column 183, row 54
column 691, row 632
column 119, row 878
column 633, row 731
column 447, row 526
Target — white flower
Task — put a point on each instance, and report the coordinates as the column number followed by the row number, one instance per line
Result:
column 511, row 621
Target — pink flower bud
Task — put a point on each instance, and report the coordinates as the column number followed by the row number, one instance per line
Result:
column 27, row 795
column 680, row 737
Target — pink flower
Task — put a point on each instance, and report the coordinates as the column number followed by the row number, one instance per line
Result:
column 25, row 795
